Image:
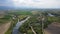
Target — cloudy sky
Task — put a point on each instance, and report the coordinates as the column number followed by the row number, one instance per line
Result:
column 31, row 3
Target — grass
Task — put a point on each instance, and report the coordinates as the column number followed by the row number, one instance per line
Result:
column 13, row 23
column 21, row 13
column 50, row 20
column 5, row 19
column 25, row 28
column 33, row 21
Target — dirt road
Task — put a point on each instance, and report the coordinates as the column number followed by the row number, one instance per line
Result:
column 53, row 28
column 4, row 27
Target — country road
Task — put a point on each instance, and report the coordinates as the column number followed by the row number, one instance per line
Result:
column 15, row 29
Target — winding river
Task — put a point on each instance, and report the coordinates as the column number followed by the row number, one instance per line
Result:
column 15, row 29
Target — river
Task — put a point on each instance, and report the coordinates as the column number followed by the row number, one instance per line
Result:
column 15, row 29
column 50, row 14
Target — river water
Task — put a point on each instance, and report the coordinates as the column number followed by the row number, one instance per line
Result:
column 15, row 29
column 50, row 14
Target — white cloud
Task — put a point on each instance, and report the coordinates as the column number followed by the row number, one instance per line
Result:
column 35, row 3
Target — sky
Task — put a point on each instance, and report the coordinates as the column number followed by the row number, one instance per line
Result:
column 31, row 3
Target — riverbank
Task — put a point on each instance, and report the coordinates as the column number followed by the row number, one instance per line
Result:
column 31, row 26
column 15, row 29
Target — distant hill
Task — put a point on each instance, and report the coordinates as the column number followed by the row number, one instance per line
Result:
column 24, row 8
column 5, row 8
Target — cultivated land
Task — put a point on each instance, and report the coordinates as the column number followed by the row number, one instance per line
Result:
column 40, row 21
column 4, row 27
column 53, row 28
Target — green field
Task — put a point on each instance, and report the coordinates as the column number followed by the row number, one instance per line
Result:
column 35, row 21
